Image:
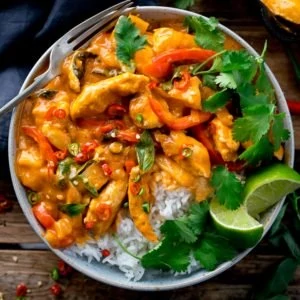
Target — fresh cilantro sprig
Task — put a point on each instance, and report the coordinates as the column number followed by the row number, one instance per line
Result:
column 207, row 33
column 228, row 187
column 275, row 283
column 186, row 236
column 128, row 41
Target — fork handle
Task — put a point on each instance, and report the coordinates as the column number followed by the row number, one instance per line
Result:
column 40, row 81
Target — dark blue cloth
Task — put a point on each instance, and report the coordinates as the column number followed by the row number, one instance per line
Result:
column 27, row 29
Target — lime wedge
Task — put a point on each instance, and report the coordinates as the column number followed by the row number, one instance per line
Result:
column 267, row 186
column 237, row 225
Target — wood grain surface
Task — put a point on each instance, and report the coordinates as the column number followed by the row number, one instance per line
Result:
column 33, row 266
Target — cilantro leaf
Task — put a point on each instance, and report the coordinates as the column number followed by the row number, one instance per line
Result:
column 207, row 35
column 279, row 280
column 128, row 40
column 236, row 60
column 184, row 4
column 209, row 80
column 263, row 84
column 226, row 80
column 197, row 217
column 213, row 249
column 187, row 228
column 145, row 151
column 228, row 187
column 72, row 209
column 254, row 124
column 168, row 255
column 178, row 229
column 262, row 150
column 248, row 96
column 217, row 100
column 279, row 133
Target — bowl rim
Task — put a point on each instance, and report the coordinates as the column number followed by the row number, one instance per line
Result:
column 177, row 282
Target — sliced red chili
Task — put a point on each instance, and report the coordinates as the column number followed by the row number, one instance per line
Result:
column 116, row 110
column 128, row 136
column 59, row 113
column 184, row 82
column 152, row 85
column 63, row 268
column 129, row 164
column 89, row 225
column 135, row 188
column 56, row 289
column 21, row 290
column 81, row 158
column 61, row 154
column 89, row 147
column 107, row 170
column 105, row 252
column 103, row 211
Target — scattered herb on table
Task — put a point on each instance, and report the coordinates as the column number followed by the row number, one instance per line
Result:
column 280, row 235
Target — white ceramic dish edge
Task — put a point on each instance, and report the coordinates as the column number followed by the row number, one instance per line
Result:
column 112, row 276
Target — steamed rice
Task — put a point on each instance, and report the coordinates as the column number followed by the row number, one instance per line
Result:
column 169, row 205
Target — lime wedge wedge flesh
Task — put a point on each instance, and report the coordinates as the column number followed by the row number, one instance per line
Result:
column 269, row 185
column 237, row 225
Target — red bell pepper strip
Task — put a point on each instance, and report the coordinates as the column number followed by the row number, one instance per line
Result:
column 294, row 106
column 127, row 136
column 45, row 147
column 196, row 117
column 103, row 211
column 116, row 110
column 201, row 135
column 161, row 65
column 42, row 215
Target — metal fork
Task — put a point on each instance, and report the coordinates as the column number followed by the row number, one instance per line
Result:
column 72, row 40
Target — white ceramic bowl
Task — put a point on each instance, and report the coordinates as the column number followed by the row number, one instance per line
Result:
column 111, row 275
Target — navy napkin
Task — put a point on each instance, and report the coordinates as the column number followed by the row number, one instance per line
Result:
column 27, row 29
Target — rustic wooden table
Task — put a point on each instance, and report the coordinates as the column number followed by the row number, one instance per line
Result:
column 33, row 266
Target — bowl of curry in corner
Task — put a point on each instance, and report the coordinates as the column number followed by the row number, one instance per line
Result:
column 117, row 161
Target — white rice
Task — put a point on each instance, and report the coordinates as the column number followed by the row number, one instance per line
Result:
column 169, row 205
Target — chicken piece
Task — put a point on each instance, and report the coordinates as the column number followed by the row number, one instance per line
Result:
column 104, row 47
column 60, row 101
column 167, row 38
column 142, row 58
column 197, row 163
column 138, row 195
column 183, row 177
column 56, row 135
column 191, row 97
column 95, row 175
column 103, row 209
column 223, row 140
column 96, row 97
column 142, row 114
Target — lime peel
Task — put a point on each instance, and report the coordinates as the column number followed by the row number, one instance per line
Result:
column 268, row 186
